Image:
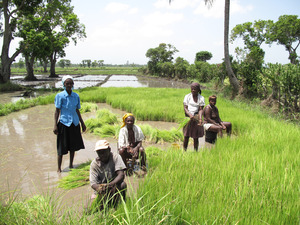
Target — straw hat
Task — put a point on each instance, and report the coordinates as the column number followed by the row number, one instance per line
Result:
column 101, row 144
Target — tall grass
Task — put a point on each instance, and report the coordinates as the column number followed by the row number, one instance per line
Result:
column 251, row 178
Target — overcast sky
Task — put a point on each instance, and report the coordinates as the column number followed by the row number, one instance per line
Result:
column 122, row 31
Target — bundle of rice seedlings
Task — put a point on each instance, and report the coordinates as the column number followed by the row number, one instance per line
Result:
column 88, row 107
column 77, row 177
column 106, row 130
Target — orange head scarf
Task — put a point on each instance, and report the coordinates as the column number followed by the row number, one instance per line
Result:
column 124, row 118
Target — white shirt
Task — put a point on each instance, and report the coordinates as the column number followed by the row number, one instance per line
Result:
column 123, row 135
column 193, row 107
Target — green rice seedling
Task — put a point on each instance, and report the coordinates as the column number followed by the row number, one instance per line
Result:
column 88, row 107
column 36, row 210
column 77, row 177
column 107, row 130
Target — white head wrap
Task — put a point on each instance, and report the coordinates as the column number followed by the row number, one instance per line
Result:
column 65, row 78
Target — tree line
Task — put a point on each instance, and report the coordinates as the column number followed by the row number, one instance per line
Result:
column 45, row 28
column 278, row 85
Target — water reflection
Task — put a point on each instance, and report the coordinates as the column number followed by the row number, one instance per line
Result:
column 123, row 81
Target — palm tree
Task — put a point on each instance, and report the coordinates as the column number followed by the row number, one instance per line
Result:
column 232, row 78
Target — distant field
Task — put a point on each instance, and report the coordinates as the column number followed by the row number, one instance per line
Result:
column 81, row 70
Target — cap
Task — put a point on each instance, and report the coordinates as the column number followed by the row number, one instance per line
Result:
column 101, row 144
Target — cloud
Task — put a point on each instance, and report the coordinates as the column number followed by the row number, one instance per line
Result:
column 216, row 10
column 115, row 7
column 133, row 11
column 162, row 19
column 176, row 4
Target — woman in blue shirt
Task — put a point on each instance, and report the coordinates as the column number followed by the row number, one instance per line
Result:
column 66, row 122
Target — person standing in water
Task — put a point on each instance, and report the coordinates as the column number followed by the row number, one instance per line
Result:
column 66, row 122
column 193, row 104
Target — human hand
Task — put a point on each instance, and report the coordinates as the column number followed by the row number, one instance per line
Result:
column 101, row 188
column 55, row 130
column 135, row 152
column 200, row 123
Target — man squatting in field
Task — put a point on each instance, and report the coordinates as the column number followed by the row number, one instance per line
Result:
column 107, row 175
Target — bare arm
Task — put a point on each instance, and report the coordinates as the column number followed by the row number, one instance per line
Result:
column 56, row 115
column 187, row 111
column 81, row 120
column 200, row 113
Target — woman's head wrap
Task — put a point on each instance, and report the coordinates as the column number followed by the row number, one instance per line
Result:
column 65, row 78
column 124, row 118
column 196, row 85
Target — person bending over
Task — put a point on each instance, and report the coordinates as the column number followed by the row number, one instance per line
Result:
column 107, row 176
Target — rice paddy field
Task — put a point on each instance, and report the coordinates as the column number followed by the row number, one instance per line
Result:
column 251, row 177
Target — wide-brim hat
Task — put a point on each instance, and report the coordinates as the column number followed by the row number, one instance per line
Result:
column 101, row 144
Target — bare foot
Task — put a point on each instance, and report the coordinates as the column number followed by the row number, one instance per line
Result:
column 71, row 166
column 59, row 170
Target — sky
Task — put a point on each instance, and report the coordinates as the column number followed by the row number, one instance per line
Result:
column 121, row 31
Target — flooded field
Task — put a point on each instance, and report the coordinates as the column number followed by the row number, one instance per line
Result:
column 83, row 81
column 28, row 146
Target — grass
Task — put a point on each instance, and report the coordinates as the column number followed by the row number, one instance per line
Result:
column 9, row 86
column 251, row 178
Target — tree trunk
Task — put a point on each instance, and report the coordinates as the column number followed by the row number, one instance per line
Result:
column 232, row 78
column 6, row 61
column 45, row 64
column 29, row 61
column 52, row 65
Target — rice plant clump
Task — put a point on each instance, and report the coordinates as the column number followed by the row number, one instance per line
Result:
column 77, row 177
column 88, row 107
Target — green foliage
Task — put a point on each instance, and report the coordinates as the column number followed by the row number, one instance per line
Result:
column 283, row 82
column 204, row 71
column 161, row 54
column 9, row 86
column 38, row 209
column 203, row 56
column 181, row 68
column 286, row 31
column 24, row 104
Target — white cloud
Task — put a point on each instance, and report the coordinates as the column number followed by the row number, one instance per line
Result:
column 162, row 19
column 217, row 9
column 188, row 42
column 176, row 4
column 115, row 7
column 133, row 11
